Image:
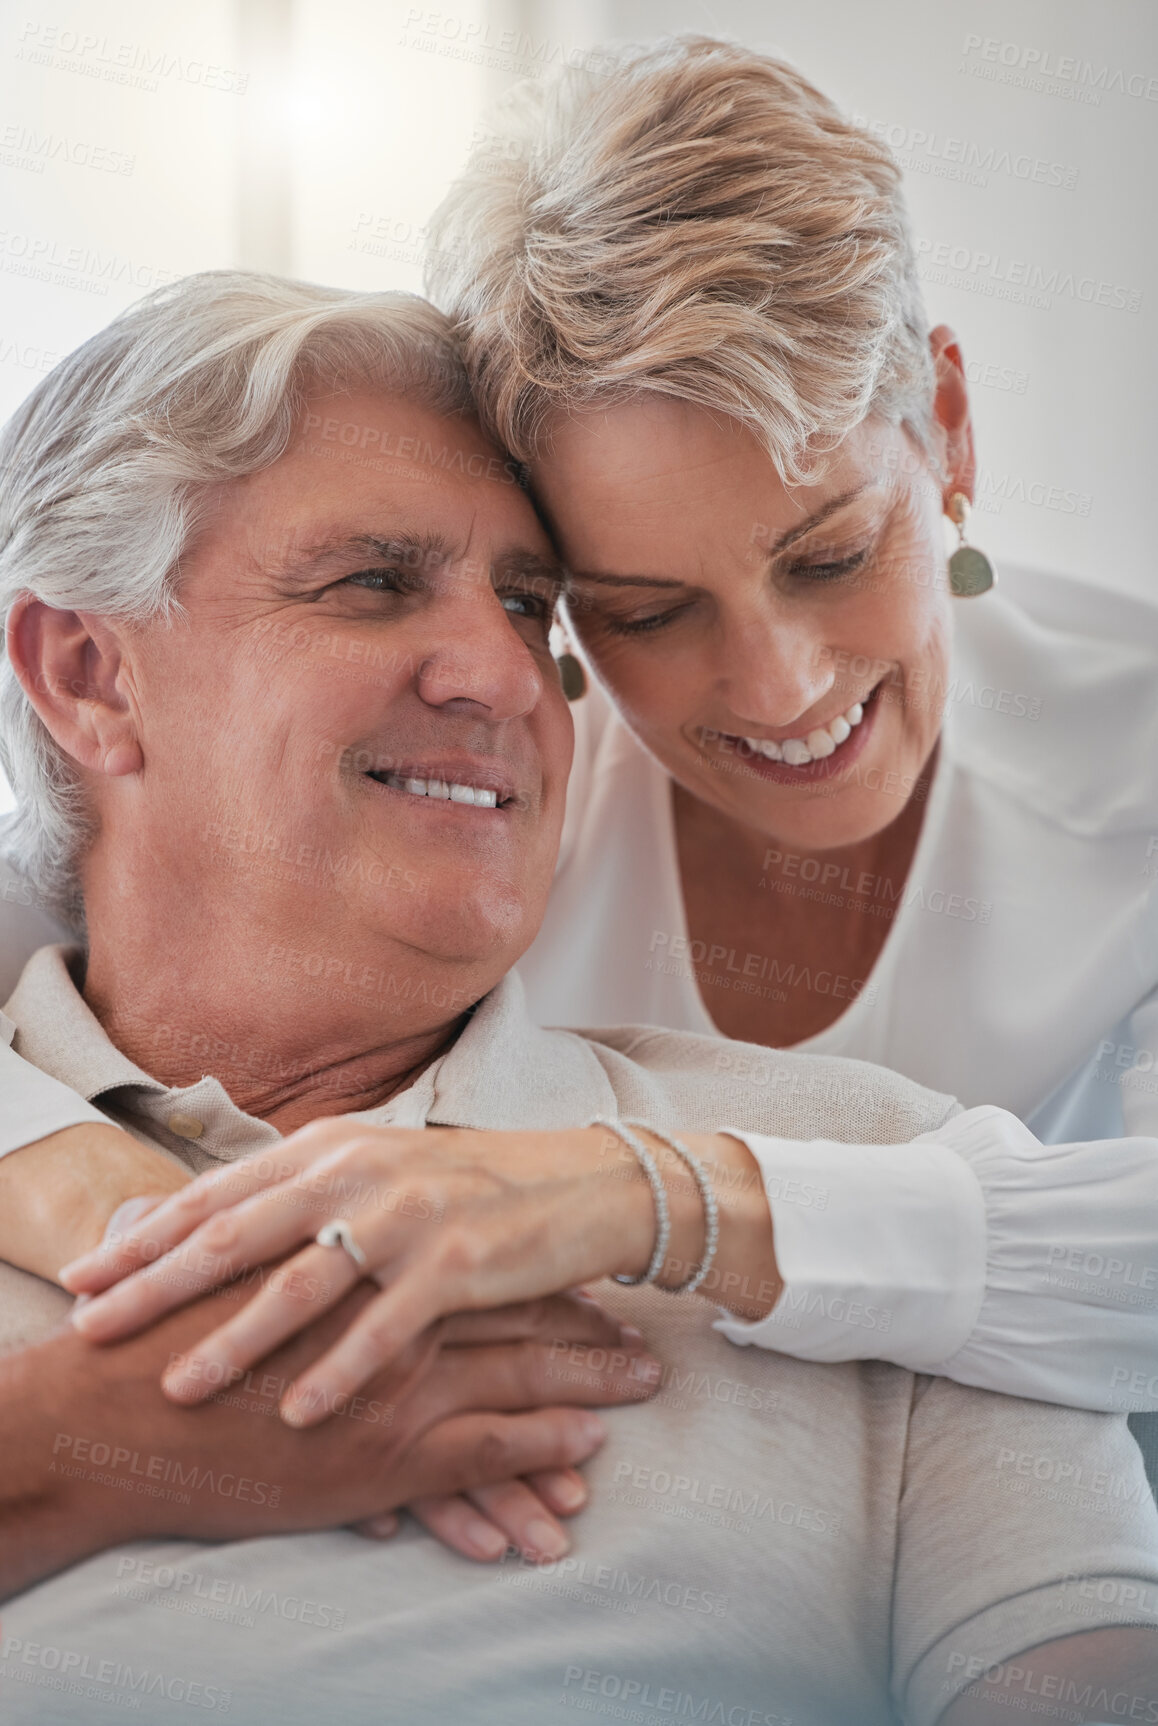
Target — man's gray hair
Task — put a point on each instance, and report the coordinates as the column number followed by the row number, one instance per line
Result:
column 106, row 472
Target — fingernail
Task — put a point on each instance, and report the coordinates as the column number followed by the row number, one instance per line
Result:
column 486, row 1539
column 570, row 1493
column 544, row 1540
column 381, row 1527
column 127, row 1214
column 86, row 1314
column 648, row 1370
column 630, row 1338
column 180, row 1382
column 591, row 1429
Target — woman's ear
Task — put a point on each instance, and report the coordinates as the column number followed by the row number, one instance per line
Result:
column 951, row 413
column 69, row 664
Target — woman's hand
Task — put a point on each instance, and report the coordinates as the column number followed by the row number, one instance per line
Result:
column 448, row 1220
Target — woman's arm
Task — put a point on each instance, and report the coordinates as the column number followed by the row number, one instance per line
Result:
column 57, row 1195
column 974, row 1253
column 64, row 1170
column 448, row 1220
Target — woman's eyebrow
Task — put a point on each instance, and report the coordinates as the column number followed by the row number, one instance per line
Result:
column 815, row 519
column 624, row 580
column 786, row 539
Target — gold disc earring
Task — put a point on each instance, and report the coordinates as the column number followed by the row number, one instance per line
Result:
column 970, row 571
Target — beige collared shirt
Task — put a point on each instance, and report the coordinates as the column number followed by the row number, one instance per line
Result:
column 768, row 1539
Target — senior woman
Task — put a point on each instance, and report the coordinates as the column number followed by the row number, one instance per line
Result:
column 812, row 804
column 831, row 792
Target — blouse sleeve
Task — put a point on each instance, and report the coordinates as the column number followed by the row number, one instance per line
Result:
column 975, row 1253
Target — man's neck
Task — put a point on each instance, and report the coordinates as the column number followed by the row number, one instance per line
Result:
column 288, row 1045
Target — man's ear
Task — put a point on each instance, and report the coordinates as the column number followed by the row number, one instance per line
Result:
column 69, row 664
column 951, row 413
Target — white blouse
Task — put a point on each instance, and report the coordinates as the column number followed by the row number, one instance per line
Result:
column 1020, row 970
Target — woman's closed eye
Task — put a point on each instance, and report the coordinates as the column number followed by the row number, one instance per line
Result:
column 829, row 568
column 631, row 624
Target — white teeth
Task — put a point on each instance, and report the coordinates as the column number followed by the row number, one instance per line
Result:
column 440, row 788
column 817, row 746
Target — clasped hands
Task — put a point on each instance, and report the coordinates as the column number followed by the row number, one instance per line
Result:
column 459, row 1229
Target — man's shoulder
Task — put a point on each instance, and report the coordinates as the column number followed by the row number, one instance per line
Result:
column 704, row 1082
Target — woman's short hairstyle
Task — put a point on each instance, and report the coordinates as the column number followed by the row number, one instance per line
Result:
column 109, row 467
column 690, row 218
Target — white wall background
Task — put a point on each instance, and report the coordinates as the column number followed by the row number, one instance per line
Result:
column 140, row 141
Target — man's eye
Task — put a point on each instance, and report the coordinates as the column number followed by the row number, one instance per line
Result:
column 521, row 604
column 377, row 580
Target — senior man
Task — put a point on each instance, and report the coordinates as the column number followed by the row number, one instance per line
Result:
column 246, row 764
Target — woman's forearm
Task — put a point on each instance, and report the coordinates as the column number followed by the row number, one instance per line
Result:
column 744, row 1276
column 57, row 1195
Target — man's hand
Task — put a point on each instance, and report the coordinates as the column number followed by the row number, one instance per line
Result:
column 57, row 1194
column 95, row 1454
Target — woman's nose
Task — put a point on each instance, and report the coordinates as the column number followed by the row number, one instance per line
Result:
column 773, row 673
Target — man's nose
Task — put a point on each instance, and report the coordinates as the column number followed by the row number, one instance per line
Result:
column 480, row 661
column 773, row 671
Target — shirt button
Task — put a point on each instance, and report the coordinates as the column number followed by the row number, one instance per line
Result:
column 186, row 1126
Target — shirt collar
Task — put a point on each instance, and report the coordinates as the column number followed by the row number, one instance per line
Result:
column 503, row 1071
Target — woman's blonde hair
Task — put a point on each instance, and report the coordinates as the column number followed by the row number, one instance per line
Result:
column 694, row 219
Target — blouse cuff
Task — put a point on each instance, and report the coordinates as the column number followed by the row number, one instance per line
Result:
column 881, row 1249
